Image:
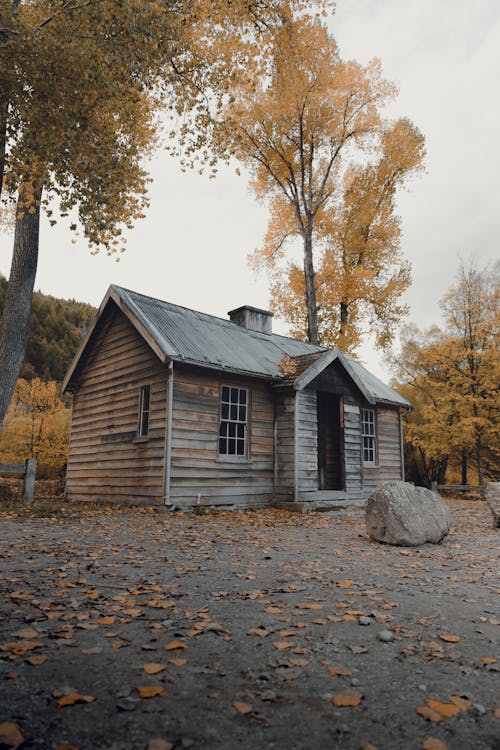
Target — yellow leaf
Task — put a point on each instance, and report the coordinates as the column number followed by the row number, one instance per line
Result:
column 450, row 638
column 344, row 701
column 149, row 691
column 346, row 584
column 488, row 660
column 174, row 646
column 10, row 735
column 19, row 648
column 36, row 660
column 72, row 698
column 445, row 709
column 107, row 620
column 432, row 743
column 339, row 671
column 178, row 662
column 280, row 645
column 429, row 713
column 154, row 668
column 242, row 707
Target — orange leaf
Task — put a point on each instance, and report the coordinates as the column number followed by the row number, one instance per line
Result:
column 258, row 631
column 19, row 648
column 429, row 713
column 178, row 662
column 280, row 645
column 157, row 743
column 72, row 698
column 344, row 701
column 149, row 691
column 497, row 712
column 174, row 646
column 488, row 660
column 445, row 709
column 309, row 605
column 298, row 662
column 10, row 735
column 339, row 671
column 107, row 620
column 153, row 668
column 432, row 743
column 36, row 660
column 450, row 638
column 462, row 703
column 242, row 707
column 346, row 584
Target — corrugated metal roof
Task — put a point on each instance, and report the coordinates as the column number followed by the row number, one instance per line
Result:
column 193, row 337
column 198, row 338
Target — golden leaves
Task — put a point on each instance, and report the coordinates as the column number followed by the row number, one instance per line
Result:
column 432, row 743
column 153, row 668
column 281, row 645
column 437, row 710
column 149, row 691
column 242, row 707
column 450, row 638
column 344, row 700
column 10, row 735
column 174, row 646
column 19, row 648
column 339, row 671
column 72, row 698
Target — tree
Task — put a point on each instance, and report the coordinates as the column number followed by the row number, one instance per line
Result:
column 361, row 273
column 295, row 132
column 80, row 85
column 455, row 376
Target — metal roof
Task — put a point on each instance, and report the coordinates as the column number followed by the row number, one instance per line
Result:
column 183, row 335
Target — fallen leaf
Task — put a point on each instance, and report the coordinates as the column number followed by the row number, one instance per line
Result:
column 339, row 671
column 153, row 668
column 10, row 735
column 157, row 743
column 177, row 662
column 359, row 649
column 429, row 713
column 343, row 700
column 450, row 638
column 26, row 633
column 369, row 746
column 309, row 605
column 280, row 645
column 273, row 610
column 108, row 620
column 346, row 584
column 462, row 703
column 262, row 632
column 174, row 646
column 72, row 698
column 445, row 709
column 298, row 662
column 149, row 691
column 496, row 713
column 19, row 648
column 35, row 661
column 432, row 743
column 488, row 660
column 242, row 707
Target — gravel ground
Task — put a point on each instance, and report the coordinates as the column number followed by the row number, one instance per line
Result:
column 252, row 621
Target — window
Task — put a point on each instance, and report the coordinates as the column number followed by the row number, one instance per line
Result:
column 144, row 411
column 368, row 434
column 233, row 421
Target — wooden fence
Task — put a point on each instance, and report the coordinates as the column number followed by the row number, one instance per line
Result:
column 28, row 471
column 469, row 488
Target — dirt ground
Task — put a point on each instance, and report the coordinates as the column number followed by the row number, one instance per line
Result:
column 127, row 629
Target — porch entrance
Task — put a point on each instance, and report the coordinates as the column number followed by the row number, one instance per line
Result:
column 330, row 442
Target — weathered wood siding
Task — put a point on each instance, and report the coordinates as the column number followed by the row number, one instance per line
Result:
column 198, row 474
column 307, row 440
column 104, row 461
column 285, row 445
column 352, row 451
column 388, row 465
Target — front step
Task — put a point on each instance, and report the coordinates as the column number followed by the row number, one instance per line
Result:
column 321, row 506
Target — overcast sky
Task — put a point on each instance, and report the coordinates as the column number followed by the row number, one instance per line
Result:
column 192, row 247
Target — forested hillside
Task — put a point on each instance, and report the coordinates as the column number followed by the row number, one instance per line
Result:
column 56, row 329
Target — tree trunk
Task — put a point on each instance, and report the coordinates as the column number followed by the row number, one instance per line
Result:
column 17, row 307
column 464, row 469
column 312, row 311
column 4, row 111
column 344, row 317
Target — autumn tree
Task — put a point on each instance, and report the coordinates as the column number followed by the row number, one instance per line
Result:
column 296, row 134
column 455, row 375
column 361, row 273
column 80, row 85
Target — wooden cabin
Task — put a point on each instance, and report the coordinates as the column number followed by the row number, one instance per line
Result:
column 178, row 408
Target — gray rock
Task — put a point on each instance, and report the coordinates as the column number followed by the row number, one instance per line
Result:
column 492, row 497
column 401, row 514
column 363, row 620
column 387, row 636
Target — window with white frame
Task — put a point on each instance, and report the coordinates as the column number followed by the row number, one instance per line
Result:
column 144, row 410
column 233, row 421
column 368, row 435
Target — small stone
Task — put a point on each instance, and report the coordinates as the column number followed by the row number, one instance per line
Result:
column 63, row 690
column 492, row 497
column 386, row 636
column 354, row 681
column 363, row 620
column 423, row 688
column 479, row 709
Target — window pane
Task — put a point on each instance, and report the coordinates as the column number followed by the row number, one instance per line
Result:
column 225, row 411
column 241, row 430
column 223, row 446
column 243, row 413
column 234, row 412
column 232, row 429
column 231, row 446
column 240, row 447
column 234, row 395
column 243, row 396
column 225, row 393
column 223, row 429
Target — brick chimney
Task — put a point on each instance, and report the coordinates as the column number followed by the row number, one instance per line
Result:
column 252, row 318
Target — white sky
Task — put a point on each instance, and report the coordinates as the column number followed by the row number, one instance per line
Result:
column 192, row 247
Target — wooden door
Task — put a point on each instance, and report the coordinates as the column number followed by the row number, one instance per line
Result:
column 330, row 442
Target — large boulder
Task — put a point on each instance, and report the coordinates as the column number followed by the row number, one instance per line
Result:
column 399, row 513
column 492, row 497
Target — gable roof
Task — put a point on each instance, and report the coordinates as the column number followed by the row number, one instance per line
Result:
column 186, row 336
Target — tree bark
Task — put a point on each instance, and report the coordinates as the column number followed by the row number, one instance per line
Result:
column 4, row 111
column 312, row 310
column 17, row 307
column 464, row 469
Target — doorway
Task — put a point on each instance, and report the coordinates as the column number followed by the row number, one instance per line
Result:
column 330, row 442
